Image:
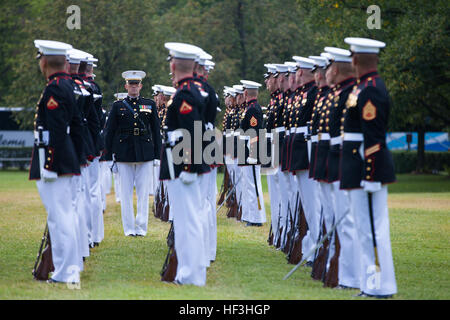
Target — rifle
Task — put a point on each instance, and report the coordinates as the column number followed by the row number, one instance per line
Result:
column 44, row 261
column 280, row 229
column 294, row 228
column 332, row 277
column 165, row 214
column 270, row 237
column 324, row 272
column 230, row 201
column 169, row 269
column 288, row 213
column 319, row 263
column 231, row 192
column 168, row 149
column 318, row 244
column 162, row 200
column 256, row 186
column 372, row 227
column 224, row 187
column 296, row 253
column 157, row 200
column 239, row 213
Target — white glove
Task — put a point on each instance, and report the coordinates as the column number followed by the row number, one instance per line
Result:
column 187, row 177
column 156, row 162
column 370, row 186
column 48, row 176
column 252, row 160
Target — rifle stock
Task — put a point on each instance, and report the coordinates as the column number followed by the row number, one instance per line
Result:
column 332, row 276
column 169, row 269
column 45, row 265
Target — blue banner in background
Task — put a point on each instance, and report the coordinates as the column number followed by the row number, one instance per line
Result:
column 434, row 141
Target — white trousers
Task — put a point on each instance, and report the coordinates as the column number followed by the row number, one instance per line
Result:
column 327, row 214
column 205, row 205
column 371, row 281
column 96, row 206
column 116, row 186
column 154, row 180
column 188, row 217
column 274, row 195
column 105, row 181
column 348, row 271
column 134, row 174
column 309, row 193
column 151, row 180
column 286, row 191
column 78, row 198
column 250, row 211
column 212, row 196
column 85, row 201
column 61, row 221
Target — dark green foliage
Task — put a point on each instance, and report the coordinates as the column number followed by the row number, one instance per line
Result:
column 405, row 161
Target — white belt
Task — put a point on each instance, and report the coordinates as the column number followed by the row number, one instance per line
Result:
column 314, row 138
column 45, row 136
column 353, row 136
column 293, row 130
column 227, row 135
column 303, row 130
column 287, row 132
column 68, row 130
column 174, row 135
column 244, row 137
column 236, row 133
column 336, row 140
column 279, row 129
column 325, row 136
column 269, row 135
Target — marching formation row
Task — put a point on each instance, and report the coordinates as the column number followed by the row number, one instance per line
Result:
column 323, row 131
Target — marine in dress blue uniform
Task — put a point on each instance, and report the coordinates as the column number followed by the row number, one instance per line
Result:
column 133, row 136
column 184, row 112
column 56, row 115
column 365, row 152
column 252, row 121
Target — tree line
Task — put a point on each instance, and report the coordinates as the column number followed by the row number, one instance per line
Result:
column 241, row 35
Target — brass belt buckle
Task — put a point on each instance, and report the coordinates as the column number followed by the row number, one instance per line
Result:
column 136, row 131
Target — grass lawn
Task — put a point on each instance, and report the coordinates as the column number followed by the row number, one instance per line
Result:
column 245, row 268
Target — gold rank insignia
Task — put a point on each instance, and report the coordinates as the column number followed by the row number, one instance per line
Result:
column 253, row 121
column 185, row 108
column 369, row 112
column 52, row 104
column 303, row 101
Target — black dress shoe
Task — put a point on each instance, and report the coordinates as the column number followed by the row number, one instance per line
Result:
column 53, row 281
column 309, row 264
column 377, row 296
column 139, row 235
column 131, row 235
column 342, row 287
column 96, row 244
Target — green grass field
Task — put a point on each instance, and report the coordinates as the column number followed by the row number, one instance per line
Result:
column 245, row 268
